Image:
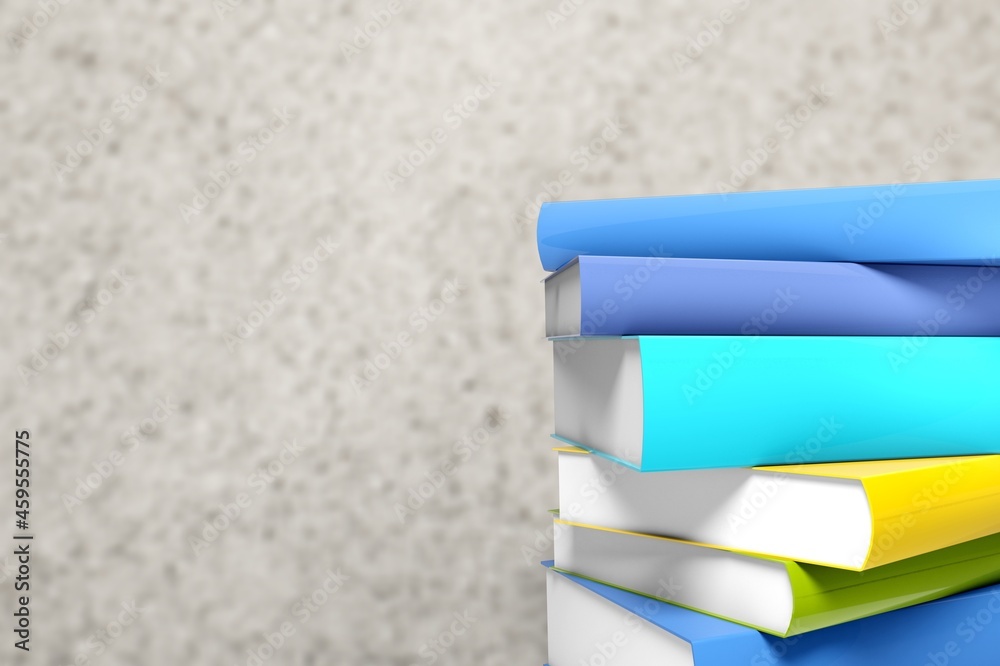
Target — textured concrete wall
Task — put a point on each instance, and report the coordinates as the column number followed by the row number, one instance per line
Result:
column 166, row 327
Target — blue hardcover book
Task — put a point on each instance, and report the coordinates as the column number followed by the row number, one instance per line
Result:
column 661, row 403
column 663, row 296
column 915, row 223
column 591, row 624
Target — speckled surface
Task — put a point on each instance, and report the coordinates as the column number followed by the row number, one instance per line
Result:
column 455, row 224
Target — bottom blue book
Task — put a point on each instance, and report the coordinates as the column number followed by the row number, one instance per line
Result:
column 596, row 625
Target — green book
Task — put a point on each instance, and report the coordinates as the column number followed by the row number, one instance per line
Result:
column 778, row 596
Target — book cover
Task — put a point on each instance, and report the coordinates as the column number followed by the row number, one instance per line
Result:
column 912, row 223
column 587, row 619
column 776, row 595
column 856, row 516
column 665, row 296
column 689, row 402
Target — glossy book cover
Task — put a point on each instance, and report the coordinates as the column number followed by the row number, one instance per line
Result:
column 686, row 402
column 955, row 631
column 667, row 296
column 817, row 596
column 902, row 223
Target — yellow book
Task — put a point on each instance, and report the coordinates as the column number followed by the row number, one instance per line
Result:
column 853, row 515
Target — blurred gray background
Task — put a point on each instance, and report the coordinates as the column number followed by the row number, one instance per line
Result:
column 171, row 328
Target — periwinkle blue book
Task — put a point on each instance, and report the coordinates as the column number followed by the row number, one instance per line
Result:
column 590, row 624
column 954, row 223
column 597, row 295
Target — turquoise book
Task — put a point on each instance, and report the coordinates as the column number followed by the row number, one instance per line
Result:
column 661, row 403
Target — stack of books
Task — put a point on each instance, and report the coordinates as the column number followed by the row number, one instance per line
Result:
column 779, row 414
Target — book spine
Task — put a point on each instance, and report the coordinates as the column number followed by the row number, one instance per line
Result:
column 951, row 631
column 914, row 223
column 657, row 296
column 956, row 631
column 727, row 401
column 925, row 510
